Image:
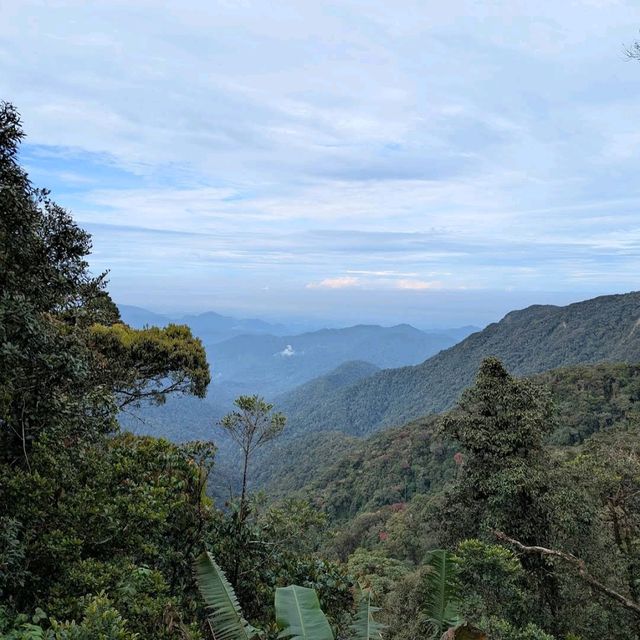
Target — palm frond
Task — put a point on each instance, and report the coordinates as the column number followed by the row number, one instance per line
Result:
column 225, row 615
column 299, row 615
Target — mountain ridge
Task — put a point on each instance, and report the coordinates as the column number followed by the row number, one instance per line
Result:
column 530, row 340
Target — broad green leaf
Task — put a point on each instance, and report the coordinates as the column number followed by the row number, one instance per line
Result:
column 225, row 615
column 299, row 616
column 442, row 598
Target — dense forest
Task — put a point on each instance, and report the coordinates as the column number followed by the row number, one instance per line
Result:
column 513, row 514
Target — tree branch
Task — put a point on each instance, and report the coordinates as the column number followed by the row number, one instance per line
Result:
column 579, row 564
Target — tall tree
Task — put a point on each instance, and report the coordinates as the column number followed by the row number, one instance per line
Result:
column 251, row 425
column 81, row 511
column 504, row 481
column 500, row 425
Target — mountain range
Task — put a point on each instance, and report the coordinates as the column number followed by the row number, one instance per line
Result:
column 253, row 356
column 210, row 326
column 270, row 365
column 531, row 340
column 329, row 414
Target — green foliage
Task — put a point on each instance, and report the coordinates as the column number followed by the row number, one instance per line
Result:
column 253, row 423
column 136, row 364
column 47, row 295
column 225, row 615
column 493, row 582
column 500, row 424
column 498, row 629
column 13, row 573
column 99, row 620
column 86, row 513
column 590, row 399
column 276, row 547
column 375, row 570
column 97, row 518
column 403, row 608
column 299, row 615
column 297, row 610
column 388, row 468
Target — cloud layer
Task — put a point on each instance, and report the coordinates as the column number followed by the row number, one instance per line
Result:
column 269, row 156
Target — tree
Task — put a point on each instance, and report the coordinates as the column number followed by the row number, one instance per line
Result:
column 149, row 363
column 276, row 545
column 501, row 424
column 45, row 286
column 67, row 364
column 125, row 516
column 505, row 478
column 84, row 512
column 252, row 425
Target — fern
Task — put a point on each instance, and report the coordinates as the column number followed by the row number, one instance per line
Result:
column 364, row 627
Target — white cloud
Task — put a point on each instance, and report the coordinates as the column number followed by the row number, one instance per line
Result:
column 344, row 282
column 287, row 352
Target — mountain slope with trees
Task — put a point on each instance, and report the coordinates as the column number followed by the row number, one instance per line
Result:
column 348, row 475
column 531, row 340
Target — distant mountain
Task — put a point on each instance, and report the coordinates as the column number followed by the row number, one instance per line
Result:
column 271, row 364
column 210, row 327
column 528, row 341
column 138, row 317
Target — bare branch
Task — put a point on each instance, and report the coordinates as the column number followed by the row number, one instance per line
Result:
column 579, row 564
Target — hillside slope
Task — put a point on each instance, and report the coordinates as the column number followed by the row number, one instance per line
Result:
column 528, row 341
column 393, row 465
column 307, row 395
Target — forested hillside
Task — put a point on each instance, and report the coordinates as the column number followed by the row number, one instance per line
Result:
column 557, row 456
column 303, row 398
column 348, row 475
column 527, row 341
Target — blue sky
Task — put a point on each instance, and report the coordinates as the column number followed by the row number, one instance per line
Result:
column 431, row 162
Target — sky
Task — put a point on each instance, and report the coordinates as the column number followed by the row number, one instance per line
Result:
column 431, row 162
